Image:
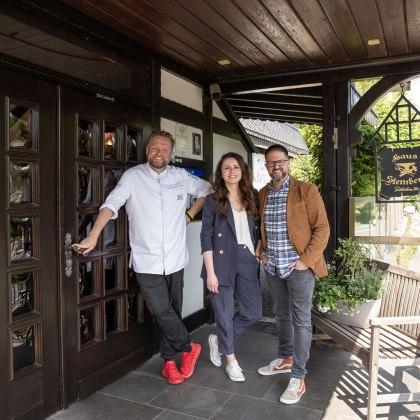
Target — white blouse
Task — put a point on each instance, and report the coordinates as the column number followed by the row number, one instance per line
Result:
column 242, row 229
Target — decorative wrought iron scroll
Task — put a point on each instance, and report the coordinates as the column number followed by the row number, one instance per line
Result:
column 397, row 151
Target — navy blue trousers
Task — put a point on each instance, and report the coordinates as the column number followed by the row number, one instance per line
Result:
column 246, row 292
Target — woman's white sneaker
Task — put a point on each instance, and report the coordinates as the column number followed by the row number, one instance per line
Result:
column 214, row 351
column 235, row 372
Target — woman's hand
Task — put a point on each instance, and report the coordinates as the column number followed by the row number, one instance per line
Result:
column 212, row 283
column 263, row 260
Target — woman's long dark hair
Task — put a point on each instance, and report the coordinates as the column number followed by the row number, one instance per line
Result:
column 247, row 194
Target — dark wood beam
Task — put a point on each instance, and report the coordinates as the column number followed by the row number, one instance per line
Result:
column 369, row 68
column 366, row 102
column 274, row 115
column 263, row 99
column 233, row 119
column 304, row 92
column 254, row 106
column 176, row 112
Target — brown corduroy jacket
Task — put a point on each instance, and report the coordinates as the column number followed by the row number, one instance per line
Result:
column 307, row 224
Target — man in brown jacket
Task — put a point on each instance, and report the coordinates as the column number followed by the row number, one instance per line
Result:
column 294, row 234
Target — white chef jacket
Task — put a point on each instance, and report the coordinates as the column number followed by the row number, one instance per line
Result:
column 155, row 205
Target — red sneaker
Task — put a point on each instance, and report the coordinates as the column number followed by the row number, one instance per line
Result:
column 171, row 373
column 189, row 359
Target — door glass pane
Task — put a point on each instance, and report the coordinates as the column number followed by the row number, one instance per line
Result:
column 86, row 221
column 111, row 315
column 20, row 238
column 86, row 179
column 23, row 342
column 131, row 275
column 133, row 308
column 88, row 134
column 87, row 325
column 111, row 273
column 112, row 176
column 132, row 143
column 22, row 293
column 21, row 125
column 20, row 182
column 112, row 141
column 86, row 276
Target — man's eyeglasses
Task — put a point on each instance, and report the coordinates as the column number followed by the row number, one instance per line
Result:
column 273, row 163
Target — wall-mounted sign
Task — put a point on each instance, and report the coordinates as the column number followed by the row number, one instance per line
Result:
column 400, row 175
column 188, row 142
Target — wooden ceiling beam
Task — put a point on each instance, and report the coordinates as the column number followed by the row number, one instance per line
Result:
column 304, row 92
column 277, row 107
column 285, row 100
column 276, row 115
column 368, row 68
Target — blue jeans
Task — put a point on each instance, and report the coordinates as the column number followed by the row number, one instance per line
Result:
column 292, row 303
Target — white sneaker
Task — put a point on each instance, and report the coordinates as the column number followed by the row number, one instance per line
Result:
column 235, row 372
column 214, row 351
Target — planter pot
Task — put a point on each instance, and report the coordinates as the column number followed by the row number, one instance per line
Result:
column 357, row 317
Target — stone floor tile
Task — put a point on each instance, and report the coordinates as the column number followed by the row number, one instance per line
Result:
column 136, row 387
column 245, row 408
column 255, row 385
column 191, row 399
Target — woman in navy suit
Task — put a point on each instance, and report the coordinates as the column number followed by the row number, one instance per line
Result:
column 229, row 240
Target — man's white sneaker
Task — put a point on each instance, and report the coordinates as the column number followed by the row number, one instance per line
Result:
column 234, row 372
column 294, row 391
column 214, row 351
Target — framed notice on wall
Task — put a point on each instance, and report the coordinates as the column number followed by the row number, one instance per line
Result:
column 188, row 142
column 196, row 144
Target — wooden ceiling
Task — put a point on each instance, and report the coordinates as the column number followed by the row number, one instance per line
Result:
column 269, row 44
column 263, row 37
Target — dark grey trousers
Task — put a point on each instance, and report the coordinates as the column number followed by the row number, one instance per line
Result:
column 292, row 303
column 163, row 295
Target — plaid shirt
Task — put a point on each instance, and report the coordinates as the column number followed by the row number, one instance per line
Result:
column 280, row 252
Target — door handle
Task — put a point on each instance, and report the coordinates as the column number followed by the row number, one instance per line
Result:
column 68, row 255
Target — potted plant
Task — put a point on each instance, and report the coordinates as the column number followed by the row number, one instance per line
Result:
column 351, row 292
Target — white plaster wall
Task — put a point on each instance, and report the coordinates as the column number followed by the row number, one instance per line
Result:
column 217, row 112
column 181, row 91
column 222, row 145
column 259, row 171
column 193, row 284
column 187, row 150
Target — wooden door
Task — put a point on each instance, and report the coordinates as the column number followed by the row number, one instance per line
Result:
column 29, row 313
column 107, row 331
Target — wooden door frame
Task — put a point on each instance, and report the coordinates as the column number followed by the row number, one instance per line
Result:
column 21, row 87
column 73, row 387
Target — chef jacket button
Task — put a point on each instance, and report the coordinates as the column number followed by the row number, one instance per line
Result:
column 221, row 251
column 219, row 235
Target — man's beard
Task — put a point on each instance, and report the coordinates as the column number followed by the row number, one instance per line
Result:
column 280, row 177
column 158, row 165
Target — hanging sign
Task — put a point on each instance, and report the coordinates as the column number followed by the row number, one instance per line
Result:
column 400, row 173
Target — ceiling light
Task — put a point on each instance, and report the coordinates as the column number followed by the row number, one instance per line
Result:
column 374, row 41
column 224, row 62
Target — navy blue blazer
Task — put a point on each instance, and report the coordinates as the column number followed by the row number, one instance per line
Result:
column 219, row 235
